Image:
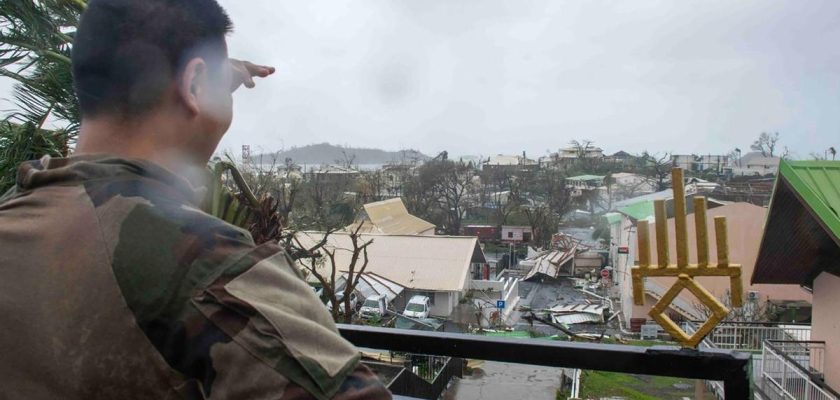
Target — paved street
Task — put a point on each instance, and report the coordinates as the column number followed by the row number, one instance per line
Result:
column 505, row 381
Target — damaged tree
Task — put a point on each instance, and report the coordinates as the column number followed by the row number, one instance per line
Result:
column 327, row 269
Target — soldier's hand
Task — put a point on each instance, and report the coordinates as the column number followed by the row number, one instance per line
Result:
column 243, row 73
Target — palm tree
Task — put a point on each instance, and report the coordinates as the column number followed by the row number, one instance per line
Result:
column 35, row 42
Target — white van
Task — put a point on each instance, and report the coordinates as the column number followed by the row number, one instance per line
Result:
column 374, row 306
column 418, row 307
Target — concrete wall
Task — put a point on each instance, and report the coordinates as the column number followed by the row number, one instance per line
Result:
column 495, row 286
column 443, row 304
column 826, row 325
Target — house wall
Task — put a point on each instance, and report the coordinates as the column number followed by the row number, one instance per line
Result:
column 826, row 326
column 516, row 231
column 623, row 234
column 444, row 303
column 745, row 225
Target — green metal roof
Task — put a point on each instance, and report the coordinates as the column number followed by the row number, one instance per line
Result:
column 818, row 183
column 638, row 211
column 612, row 218
column 586, row 178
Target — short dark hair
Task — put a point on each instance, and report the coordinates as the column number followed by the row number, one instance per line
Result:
column 127, row 52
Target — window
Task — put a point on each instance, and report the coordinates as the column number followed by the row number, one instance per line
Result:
column 510, row 235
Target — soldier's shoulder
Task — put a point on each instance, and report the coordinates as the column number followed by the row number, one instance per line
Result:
column 143, row 213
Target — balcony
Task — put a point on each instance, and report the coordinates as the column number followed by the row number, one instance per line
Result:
column 748, row 337
column 730, row 367
column 793, row 370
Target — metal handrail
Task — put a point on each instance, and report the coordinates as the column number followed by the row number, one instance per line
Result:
column 790, row 377
column 751, row 336
column 731, row 367
column 816, row 379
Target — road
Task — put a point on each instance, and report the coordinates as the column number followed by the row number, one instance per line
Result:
column 504, row 381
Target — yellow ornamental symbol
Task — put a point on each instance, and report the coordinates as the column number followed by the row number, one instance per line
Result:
column 682, row 270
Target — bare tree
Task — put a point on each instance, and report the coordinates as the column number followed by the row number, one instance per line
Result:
column 766, row 144
column 441, row 192
column 419, row 193
column 751, row 311
column 328, row 269
column 325, row 202
column 453, row 188
column 658, row 167
column 347, row 160
column 372, row 186
column 549, row 200
column 503, row 192
column 582, row 147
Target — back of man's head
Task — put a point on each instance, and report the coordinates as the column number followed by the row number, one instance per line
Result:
column 128, row 52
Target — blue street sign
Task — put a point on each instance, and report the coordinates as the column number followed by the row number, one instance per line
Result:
column 500, row 304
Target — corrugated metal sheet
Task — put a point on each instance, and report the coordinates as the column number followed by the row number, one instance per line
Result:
column 391, row 217
column 578, row 313
column 577, row 318
column 549, row 263
column 818, row 183
column 372, row 285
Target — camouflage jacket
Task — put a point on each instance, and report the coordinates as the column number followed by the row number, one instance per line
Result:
column 114, row 285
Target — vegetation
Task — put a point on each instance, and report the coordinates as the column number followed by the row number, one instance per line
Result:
column 598, row 384
column 35, row 41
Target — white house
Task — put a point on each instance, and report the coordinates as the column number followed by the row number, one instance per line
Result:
column 627, row 185
column 439, row 267
column 755, row 164
column 516, row 234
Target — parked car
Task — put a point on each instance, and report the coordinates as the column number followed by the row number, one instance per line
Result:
column 418, row 307
column 374, row 306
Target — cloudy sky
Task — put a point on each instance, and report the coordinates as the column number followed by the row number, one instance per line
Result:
column 487, row 76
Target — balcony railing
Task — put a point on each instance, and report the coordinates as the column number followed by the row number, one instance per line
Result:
column 793, row 370
column 750, row 336
column 730, row 367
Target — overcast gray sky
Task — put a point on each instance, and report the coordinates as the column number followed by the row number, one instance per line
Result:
column 486, row 76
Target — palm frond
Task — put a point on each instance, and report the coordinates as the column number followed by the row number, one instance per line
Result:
column 239, row 208
column 21, row 142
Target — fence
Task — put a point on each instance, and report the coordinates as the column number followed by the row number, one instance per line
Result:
column 750, row 337
column 411, row 384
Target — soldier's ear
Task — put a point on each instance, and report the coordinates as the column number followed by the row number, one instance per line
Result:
column 192, row 84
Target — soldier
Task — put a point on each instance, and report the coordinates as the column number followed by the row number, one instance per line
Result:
column 113, row 284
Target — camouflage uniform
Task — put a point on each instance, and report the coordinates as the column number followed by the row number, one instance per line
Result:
column 114, row 285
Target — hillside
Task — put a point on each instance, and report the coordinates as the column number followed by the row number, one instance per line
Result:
column 325, row 153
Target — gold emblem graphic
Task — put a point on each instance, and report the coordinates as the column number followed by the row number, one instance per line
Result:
column 682, row 270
